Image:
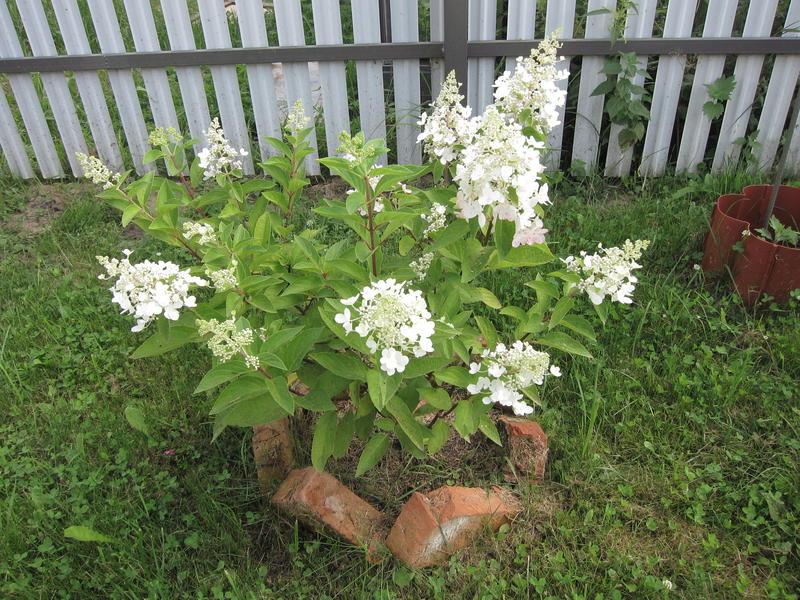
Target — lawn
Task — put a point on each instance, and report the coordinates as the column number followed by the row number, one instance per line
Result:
column 674, row 453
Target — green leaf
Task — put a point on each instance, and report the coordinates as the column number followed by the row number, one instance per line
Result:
column 135, row 418
column 381, row 387
column 373, row 452
column 405, row 244
column 722, row 88
column 343, row 365
column 82, row 533
column 326, row 386
column 713, row 110
column 323, row 440
column 158, row 343
column 129, row 214
column 524, row 256
column 440, row 433
column 344, row 434
column 413, row 429
column 417, row 367
column 436, row 397
column 221, row 373
column 465, row 420
column 489, row 429
column 272, row 360
column 580, row 326
column 295, row 351
column 310, row 251
column 457, row 376
column 487, row 330
column 563, row 306
column 503, row 235
column 488, row 298
column 565, row 342
column 279, row 390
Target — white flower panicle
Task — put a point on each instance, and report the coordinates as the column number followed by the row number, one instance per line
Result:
column 219, row 157
column 609, row 271
column 227, row 340
column 97, row 172
column 161, row 136
column 436, row 219
column 394, row 321
column 533, row 87
column 224, row 279
column 204, row 232
column 422, row 264
column 448, row 127
column 501, row 158
column 149, row 289
column 505, row 371
column 296, row 120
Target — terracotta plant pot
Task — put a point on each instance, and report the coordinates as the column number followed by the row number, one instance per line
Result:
column 763, row 267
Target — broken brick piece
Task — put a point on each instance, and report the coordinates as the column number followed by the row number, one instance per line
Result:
column 528, row 448
column 433, row 526
column 273, row 452
column 322, row 501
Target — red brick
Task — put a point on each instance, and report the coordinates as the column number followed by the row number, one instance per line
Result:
column 433, row 526
column 323, row 502
column 273, row 452
column 528, row 448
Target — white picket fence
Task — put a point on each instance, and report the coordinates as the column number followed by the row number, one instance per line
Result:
column 40, row 114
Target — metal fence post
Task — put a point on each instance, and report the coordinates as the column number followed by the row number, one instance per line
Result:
column 456, row 30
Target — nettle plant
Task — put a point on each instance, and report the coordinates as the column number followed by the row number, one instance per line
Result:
column 390, row 327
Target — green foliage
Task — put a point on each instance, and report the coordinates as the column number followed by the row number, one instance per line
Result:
column 625, row 102
column 779, row 233
column 719, row 92
column 289, row 283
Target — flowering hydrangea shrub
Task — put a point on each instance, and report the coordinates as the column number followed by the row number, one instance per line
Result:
column 384, row 305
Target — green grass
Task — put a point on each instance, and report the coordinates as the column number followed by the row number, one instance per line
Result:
column 674, row 454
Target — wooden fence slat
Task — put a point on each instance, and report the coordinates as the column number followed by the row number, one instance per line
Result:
column 482, row 25
column 262, row 84
column 90, row 89
column 226, row 82
column 140, row 17
column 190, row 79
column 369, row 73
column 27, row 101
column 106, row 25
column 638, row 25
column 747, row 72
column 560, row 19
column 55, row 84
column 719, row 23
column 11, row 143
column 521, row 25
column 405, row 28
column 437, row 35
column 589, row 117
column 793, row 159
column 782, row 82
column 332, row 76
column 298, row 82
column 669, row 78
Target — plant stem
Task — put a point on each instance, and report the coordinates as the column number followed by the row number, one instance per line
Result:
column 371, row 226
